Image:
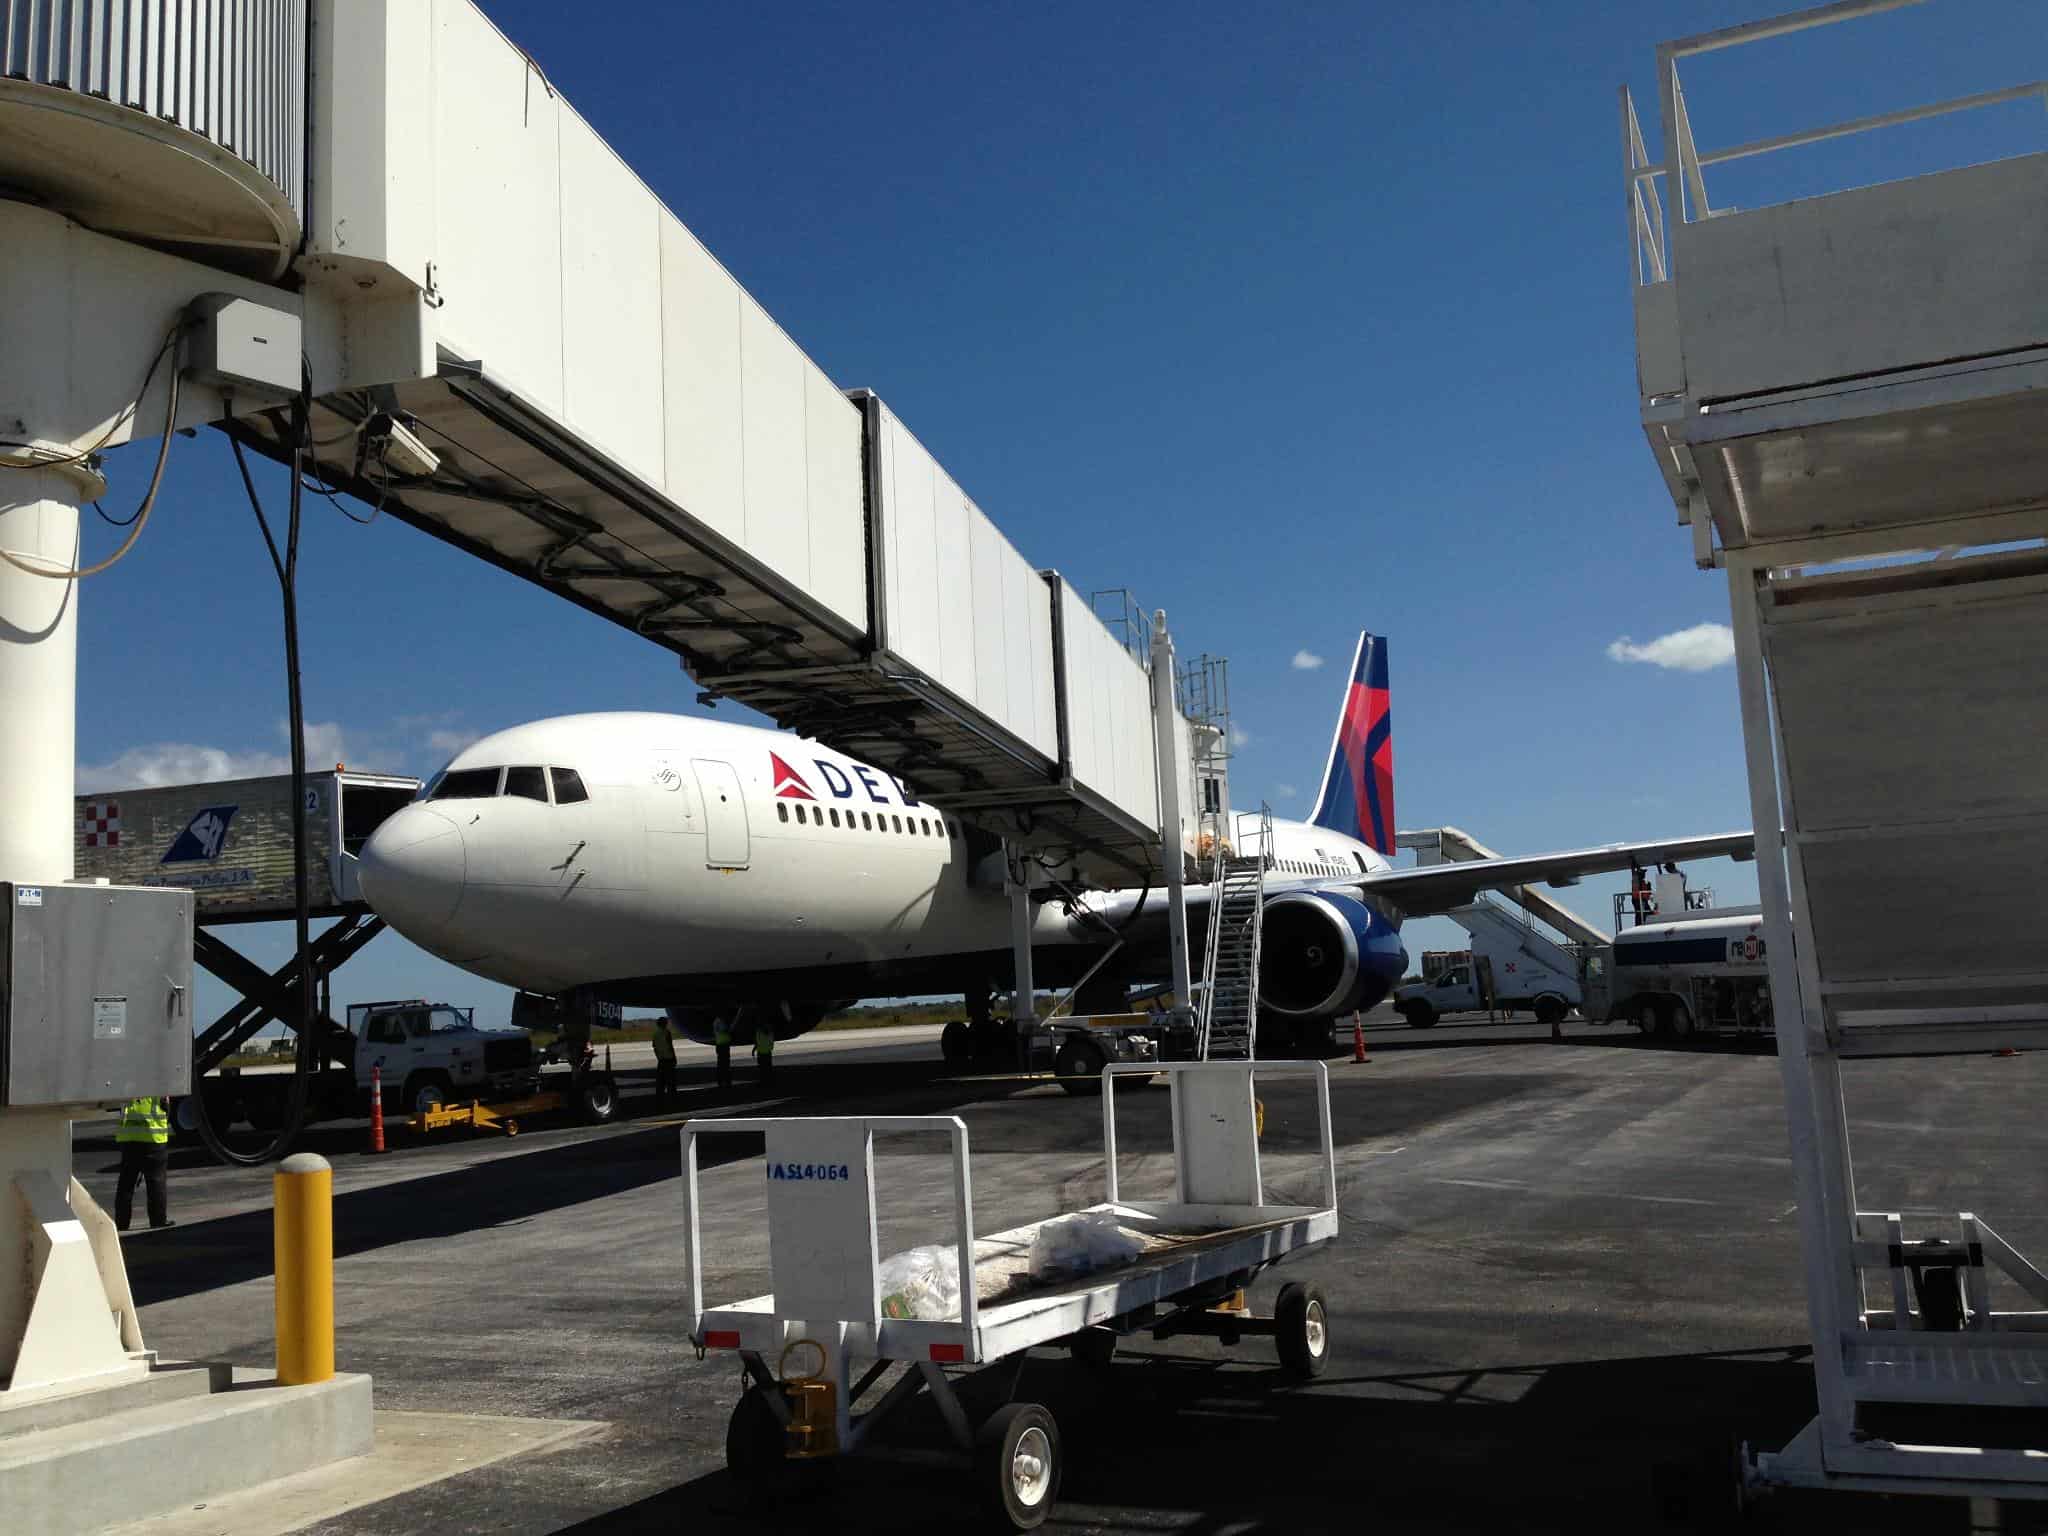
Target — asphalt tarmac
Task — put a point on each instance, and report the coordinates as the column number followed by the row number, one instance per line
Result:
column 1567, row 1283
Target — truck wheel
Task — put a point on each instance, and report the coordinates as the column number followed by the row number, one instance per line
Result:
column 1420, row 1015
column 597, row 1098
column 425, row 1091
column 955, row 1043
column 1079, row 1066
column 1550, row 1010
column 1301, row 1331
column 1681, row 1022
column 1017, row 1462
column 754, row 1444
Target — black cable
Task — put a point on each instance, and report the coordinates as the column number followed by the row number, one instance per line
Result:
column 116, row 522
column 311, row 1052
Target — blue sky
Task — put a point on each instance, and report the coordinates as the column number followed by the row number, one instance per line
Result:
column 1295, row 319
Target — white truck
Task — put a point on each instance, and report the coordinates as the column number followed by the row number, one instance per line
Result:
column 428, row 1053
column 1512, row 968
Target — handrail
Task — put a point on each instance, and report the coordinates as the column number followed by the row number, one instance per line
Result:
column 1649, row 253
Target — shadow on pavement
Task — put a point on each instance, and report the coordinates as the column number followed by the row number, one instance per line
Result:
column 1158, row 1443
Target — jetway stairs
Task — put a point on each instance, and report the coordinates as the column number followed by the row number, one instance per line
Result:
column 1502, row 932
column 1437, row 845
column 1847, row 397
column 1230, row 985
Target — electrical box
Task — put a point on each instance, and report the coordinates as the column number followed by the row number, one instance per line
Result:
column 243, row 348
column 95, row 993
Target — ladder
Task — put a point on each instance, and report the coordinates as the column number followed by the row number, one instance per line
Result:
column 1230, row 983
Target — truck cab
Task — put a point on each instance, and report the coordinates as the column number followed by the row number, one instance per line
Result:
column 1422, row 1003
column 429, row 1053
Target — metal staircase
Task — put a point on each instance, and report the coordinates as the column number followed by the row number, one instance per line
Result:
column 1237, row 908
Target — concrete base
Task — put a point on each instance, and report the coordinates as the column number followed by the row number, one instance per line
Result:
column 113, row 1454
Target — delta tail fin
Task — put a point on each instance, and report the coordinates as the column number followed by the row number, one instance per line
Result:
column 1357, row 797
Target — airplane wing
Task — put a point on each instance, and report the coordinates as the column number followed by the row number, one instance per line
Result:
column 1435, row 888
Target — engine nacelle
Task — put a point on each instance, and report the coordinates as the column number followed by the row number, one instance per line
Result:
column 1324, row 953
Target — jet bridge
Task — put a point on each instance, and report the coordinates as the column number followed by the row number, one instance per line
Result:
column 1845, row 396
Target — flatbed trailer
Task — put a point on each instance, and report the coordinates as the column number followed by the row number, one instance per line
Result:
column 1198, row 1253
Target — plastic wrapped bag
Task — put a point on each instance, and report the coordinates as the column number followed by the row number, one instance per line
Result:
column 922, row 1283
column 1069, row 1246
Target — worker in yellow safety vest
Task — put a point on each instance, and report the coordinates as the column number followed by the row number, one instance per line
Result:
column 721, row 1042
column 664, row 1060
column 764, row 1042
column 144, row 1137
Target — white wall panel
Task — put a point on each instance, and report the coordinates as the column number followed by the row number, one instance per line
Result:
column 611, row 304
column 1109, row 714
column 775, row 444
column 986, row 630
column 836, row 495
column 1045, row 709
column 913, row 610
column 953, row 660
column 700, row 333
column 495, row 178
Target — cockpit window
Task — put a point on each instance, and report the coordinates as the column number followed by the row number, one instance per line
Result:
column 467, row 784
column 528, row 783
column 568, row 786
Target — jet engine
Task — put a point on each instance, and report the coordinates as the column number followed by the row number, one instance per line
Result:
column 698, row 1021
column 1325, row 953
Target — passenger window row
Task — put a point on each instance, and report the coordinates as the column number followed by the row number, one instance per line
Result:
column 870, row 821
column 1315, row 867
column 526, row 783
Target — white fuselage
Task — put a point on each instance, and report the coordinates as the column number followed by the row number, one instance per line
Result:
column 710, row 856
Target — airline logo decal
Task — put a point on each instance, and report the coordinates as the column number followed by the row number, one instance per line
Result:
column 789, row 784
column 202, row 838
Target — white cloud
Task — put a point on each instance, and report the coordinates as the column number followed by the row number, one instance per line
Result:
column 176, row 762
column 449, row 742
column 1306, row 661
column 1239, row 736
column 1286, row 791
column 1698, row 649
column 184, row 762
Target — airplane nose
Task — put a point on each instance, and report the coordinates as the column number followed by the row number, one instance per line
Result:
column 412, row 870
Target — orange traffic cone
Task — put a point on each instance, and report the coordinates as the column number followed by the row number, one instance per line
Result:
column 1358, row 1039
column 376, row 1109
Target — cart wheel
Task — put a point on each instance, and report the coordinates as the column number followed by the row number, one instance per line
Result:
column 1093, row 1347
column 754, row 1443
column 1078, row 1065
column 1017, row 1460
column 1301, row 1331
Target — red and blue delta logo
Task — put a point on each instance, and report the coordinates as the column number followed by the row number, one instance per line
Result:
column 789, row 784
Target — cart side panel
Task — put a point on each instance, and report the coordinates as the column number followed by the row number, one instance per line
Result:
column 1215, row 1137
column 821, row 1220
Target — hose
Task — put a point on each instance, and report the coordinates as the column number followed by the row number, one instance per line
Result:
column 141, row 517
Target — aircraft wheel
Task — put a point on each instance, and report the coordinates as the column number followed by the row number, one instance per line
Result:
column 1079, row 1066
column 955, row 1041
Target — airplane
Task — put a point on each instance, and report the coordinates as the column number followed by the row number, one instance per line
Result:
column 697, row 865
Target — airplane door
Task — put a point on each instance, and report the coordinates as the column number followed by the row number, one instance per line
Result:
column 725, row 814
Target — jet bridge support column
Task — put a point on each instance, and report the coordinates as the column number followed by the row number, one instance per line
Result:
column 1172, row 856
column 1024, row 995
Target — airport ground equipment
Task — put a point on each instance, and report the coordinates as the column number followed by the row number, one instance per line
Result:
column 1525, row 969
column 229, row 842
column 1847, row 397
column 1451, row 845
column 1708, row 974
column 1237, row 920
column 825, row 1310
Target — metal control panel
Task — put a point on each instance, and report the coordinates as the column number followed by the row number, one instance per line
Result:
column 95, row 993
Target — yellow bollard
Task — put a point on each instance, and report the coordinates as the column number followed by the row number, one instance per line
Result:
column 304, row 1194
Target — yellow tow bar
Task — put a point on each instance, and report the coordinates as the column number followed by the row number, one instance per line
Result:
column 485, row 1117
